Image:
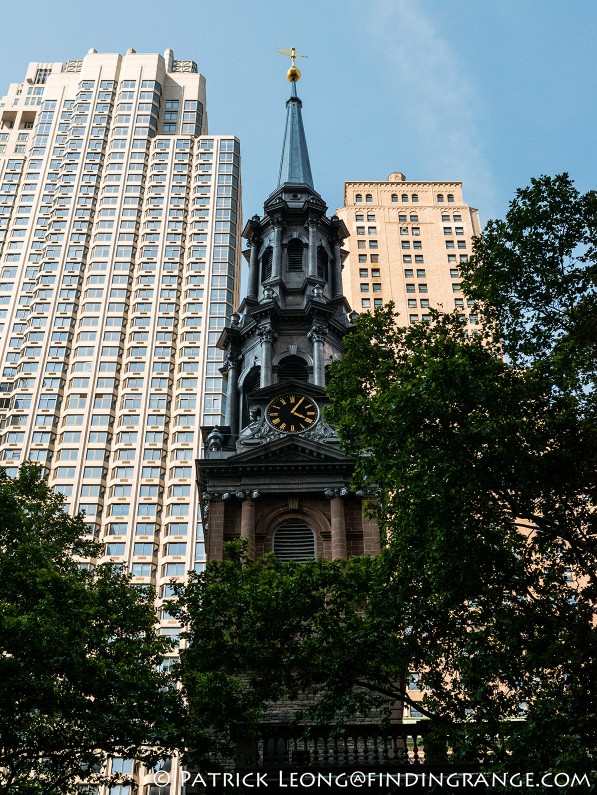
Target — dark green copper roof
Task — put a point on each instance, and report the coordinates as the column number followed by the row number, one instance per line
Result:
column 295, row 168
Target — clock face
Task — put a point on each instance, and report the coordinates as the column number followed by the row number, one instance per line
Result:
column 292, row 413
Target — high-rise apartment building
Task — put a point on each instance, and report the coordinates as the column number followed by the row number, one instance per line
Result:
column 119, row 253
column 407, row 242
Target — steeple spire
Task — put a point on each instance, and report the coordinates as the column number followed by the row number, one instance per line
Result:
column 295, row 168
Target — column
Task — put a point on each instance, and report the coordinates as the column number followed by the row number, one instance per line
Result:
column 337, row 269
column 268, row 337
column 214, row 532
column 277, row 253
column 231, row 365
column 338, row 525
column 253, row 283
column 247, row 523
column 316, row 336
column 312, row 224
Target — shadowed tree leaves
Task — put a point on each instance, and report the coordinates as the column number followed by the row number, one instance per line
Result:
column 485, row 470
column 79, row 667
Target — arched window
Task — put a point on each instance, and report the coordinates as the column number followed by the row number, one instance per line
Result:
column 266, row 264
column 322, row 263
column 358, row 197
column 293, row 368
column 250, row 383
column 294, row 541
column 394, row 197
column 415, row 197
column 368, row 197
column 440, row 197
column 295, row 255
column 450, row 197
column 404, row 197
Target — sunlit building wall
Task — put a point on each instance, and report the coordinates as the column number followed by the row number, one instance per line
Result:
column 407, row 242
column 119, row 264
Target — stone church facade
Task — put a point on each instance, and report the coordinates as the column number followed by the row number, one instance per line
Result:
column 274, row 473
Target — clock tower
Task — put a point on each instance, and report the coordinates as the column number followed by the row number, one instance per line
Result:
column 274, row 473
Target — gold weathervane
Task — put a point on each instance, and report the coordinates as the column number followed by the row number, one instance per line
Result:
column 293, row 74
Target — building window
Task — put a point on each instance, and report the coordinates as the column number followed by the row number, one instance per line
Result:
column 294, row 540
column 295, row 255
column 365, row 303
column 363, row 273
column 266, row 264
column 377, row 302
column 360, row 230
column 450, row 197
column 358, row 197
column 440, row 197
column 394, row 197
column 415, row 198
column 362, row 258
column 293, row 368
column 404, row 197
column 368, row 197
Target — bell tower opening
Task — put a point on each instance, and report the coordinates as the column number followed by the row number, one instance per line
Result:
column 322, row 264
column 266, row 264
column 293, row 368
column 294, row 540
column 295, row 255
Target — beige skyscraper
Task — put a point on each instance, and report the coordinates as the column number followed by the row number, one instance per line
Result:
column 406, row 245
column 119, row 264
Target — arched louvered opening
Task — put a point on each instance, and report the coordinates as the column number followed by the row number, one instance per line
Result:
column 294, row 541
column 250, row 384
column 293, row 368
column 266, row 264
column 322, row 263
column 295, row 255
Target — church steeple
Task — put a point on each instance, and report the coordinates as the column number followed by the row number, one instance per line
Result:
column 295, row 168
column 273, row 473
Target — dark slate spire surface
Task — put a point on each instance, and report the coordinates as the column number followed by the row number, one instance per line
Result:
column 295, row 168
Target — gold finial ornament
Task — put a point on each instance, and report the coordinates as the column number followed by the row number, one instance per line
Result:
column 293, row 74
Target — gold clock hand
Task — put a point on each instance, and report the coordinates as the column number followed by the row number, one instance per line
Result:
column 293, row 411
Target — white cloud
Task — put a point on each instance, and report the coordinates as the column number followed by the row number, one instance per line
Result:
column 433, row 96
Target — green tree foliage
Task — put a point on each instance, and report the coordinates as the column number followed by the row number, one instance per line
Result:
column 262, row 631
column 485, row 469
column 79, row 659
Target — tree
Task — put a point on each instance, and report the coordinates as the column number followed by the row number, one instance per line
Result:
column 487, row 471
column 79, row 661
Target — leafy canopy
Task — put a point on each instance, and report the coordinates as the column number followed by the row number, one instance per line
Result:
column 485, row 468
column 79, row 656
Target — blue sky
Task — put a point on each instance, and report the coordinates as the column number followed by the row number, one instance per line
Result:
column 490, row 93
